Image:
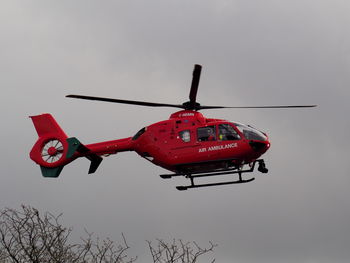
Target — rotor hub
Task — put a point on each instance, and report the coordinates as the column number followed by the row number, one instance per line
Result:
column 52, row 151
column 188, row 105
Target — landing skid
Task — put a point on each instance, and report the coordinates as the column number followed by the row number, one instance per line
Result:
column 238, row 171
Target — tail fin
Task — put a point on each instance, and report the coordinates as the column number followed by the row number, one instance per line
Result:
column 53, row 150
column 45, row 125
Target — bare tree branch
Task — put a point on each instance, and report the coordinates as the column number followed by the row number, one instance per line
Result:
column 177, row 251
column 26, row 236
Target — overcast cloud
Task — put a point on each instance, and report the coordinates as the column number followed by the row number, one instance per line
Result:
column 252, row 52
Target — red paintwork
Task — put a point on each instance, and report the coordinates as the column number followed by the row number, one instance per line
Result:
column 160, row 143
column 47, row 129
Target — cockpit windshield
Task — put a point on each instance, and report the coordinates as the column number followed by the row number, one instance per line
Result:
column 250, row 133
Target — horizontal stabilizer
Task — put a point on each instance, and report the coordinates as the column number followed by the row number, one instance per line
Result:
column 74, row 145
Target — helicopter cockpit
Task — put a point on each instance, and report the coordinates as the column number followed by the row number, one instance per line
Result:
column 250, row 133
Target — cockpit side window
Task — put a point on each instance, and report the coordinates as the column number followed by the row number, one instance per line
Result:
column 206, row 133
column 227, row 133
column 185, row 135
column 250, row 133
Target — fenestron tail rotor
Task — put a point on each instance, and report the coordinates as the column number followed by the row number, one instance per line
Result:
column 52, row 151
column 192, row 104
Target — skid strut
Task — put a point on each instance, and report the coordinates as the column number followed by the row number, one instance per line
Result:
column 238, row 171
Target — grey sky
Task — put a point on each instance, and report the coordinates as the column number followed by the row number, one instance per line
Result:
column 252, row 52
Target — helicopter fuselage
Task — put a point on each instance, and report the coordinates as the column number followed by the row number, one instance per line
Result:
column 189, row 142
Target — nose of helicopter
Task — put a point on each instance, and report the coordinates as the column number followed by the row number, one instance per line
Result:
column 260, row 146
column 257, row 140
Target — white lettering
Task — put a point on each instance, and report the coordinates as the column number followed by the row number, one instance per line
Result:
column 218, row 147
column 186, row 114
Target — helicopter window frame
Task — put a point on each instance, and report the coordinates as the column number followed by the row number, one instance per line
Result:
column 185, row 136
column 250, row 133
column 227, row 132
column 206, row 133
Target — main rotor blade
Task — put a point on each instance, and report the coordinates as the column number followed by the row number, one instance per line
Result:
column 257, row 107
column 132, row 102
column 194, row 86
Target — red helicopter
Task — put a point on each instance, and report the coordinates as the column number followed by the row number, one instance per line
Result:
column 187, row 144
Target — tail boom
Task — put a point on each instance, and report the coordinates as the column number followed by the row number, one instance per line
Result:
column 111, row 147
